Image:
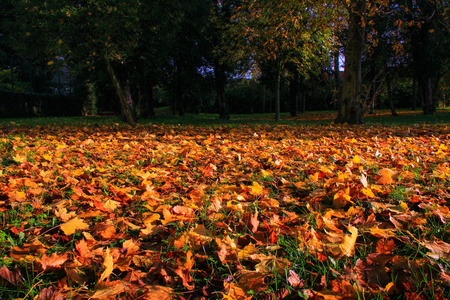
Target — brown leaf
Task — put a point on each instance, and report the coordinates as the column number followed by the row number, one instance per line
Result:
column 252, row 281
column 107, row 290
column 50, row 294
column 294, row 280
column 12, row 277
column 159, row 292
column 385, row 246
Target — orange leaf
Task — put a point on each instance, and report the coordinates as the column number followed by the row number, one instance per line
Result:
column 83, row 249
column 368, row 192
column 73, row 225
column 108, row 264
column 160, row 292
column 17, row 196
column 386, row 176
column 53, row 261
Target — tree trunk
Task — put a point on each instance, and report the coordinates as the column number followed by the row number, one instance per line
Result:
column 123, row 101
column 350, row 110
column 426, row 95
column 391, row 100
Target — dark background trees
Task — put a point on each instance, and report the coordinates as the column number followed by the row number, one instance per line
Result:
column 225, row 56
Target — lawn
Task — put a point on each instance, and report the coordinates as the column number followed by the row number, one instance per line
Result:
column 197, row 209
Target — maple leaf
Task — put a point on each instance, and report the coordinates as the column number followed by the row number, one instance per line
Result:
column 270, row 263
column 386, row 176
column 53, row 261
column 256, row 189
column 63, row 215
column 73, row 225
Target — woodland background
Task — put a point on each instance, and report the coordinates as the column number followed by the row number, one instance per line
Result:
column 223, row 57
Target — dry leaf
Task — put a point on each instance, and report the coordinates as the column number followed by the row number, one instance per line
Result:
column 73, row 225
column 107, row 264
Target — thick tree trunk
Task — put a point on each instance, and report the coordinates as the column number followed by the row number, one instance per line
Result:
column 123, row 101
column 350, row 110
column 426, row 95
column 220, row 80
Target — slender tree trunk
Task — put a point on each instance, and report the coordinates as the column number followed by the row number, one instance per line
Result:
column 123, row 101
column 390, row 98
column 350, row 110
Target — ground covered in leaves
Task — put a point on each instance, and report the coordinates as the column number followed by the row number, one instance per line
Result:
column 220, row 212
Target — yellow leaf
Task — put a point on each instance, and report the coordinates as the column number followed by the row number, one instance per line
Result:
column 315, row 177
column 348, row 244
column 246, row 251
column 108, row 264
column 383, row 233
column 256, row 189
column 356, row 159
column 73, row 225
column 368, row 192
column 265, row 173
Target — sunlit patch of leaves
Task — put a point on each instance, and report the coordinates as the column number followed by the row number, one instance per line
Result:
column 256, row 212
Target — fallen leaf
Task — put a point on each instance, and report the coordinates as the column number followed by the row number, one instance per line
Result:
column 107, row 264
column 53, row 261
column 12, row 277
column 386, row 176
column 73, row 225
